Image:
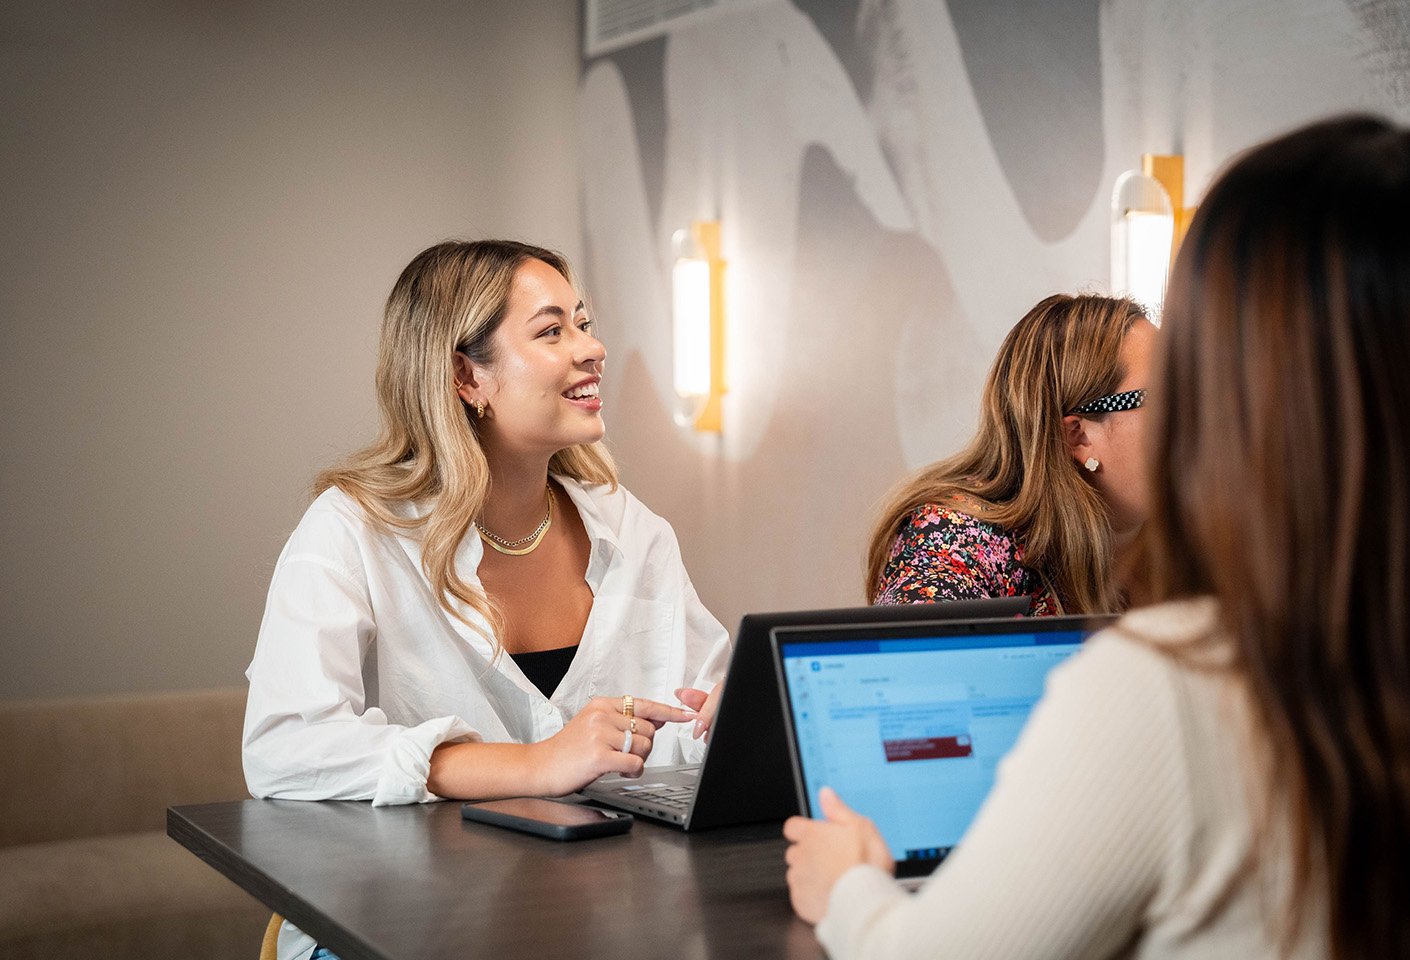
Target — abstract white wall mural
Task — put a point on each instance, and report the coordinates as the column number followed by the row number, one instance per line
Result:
column 898, row 181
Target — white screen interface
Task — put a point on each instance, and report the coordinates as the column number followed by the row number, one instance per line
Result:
column 909, row 732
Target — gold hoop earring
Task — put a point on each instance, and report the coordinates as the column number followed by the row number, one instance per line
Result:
column 480, row 409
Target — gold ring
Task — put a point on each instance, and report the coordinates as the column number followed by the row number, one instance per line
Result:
column 627, row 708
column 633, row 726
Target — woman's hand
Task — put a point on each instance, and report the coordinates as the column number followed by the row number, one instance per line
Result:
column 704, row 704
column 821, row 851
column 591, row 744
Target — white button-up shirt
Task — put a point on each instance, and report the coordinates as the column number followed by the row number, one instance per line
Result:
column 359, row 672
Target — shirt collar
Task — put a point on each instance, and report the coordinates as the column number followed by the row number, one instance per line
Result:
column 605, row 547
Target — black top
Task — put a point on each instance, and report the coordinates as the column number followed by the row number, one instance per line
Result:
column 545, row 668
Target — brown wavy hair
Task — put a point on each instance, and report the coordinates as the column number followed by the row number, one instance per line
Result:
column 1280, row 441
column 451, row 297
column 1017, row 471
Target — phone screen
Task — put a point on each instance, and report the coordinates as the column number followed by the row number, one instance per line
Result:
column 547, row 811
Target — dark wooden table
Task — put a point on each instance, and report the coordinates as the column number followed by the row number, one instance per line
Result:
column 412, row 882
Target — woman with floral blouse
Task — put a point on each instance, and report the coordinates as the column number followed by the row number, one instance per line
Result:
column 1050, row 490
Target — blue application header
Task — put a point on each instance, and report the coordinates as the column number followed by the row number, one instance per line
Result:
column 790, row 649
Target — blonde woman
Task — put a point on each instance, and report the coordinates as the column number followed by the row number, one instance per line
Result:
column 473, row 607
column 1051, row 486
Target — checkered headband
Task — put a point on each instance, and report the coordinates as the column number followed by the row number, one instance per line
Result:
column 1129, row 400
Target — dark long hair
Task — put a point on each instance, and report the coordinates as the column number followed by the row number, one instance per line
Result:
column 1281, row 485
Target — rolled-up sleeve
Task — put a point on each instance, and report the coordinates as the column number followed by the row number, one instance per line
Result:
column 309, row 734
column 707, row 641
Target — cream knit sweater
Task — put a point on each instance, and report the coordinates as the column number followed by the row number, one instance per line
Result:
column 1118, row 826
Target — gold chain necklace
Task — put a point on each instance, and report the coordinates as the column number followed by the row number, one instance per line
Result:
column 517, row 548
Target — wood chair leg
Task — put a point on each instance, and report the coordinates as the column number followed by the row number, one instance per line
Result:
column 269, row 949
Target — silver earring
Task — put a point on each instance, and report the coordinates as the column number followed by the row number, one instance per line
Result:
column 480, row 412
column 1092, row 464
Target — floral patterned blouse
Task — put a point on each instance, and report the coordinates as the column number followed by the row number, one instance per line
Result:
column 942, row 554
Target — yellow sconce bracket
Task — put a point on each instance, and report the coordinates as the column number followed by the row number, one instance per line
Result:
column 698, row 308
column 1148, row 221
column 1169, row 172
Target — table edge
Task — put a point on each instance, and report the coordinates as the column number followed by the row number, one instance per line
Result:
column 264, row 888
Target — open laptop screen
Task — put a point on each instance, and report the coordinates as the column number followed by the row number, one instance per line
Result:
column 909, row 726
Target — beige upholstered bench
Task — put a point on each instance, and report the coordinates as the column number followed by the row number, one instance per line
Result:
column 86, row 868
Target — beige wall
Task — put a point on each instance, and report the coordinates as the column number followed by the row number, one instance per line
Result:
column 203, row 207
column 204, row 204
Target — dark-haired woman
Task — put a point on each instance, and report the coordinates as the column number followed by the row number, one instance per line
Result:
column 1226, row 774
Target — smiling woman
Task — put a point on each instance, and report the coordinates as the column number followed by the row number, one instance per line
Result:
column 473, row 607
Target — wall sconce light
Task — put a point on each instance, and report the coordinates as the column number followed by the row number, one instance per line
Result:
column 1148, row 220
column 698, row 309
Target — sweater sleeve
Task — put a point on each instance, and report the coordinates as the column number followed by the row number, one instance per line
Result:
column 1087, row 815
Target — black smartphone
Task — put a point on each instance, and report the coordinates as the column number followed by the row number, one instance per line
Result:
column 556, row 819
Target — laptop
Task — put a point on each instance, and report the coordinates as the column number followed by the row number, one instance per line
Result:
column 907, row 722
column 745, row 776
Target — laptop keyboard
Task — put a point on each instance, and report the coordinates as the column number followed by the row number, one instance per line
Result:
column 663, row 794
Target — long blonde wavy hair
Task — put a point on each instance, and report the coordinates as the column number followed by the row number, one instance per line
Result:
column 1017, row 471
column 451, row 297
